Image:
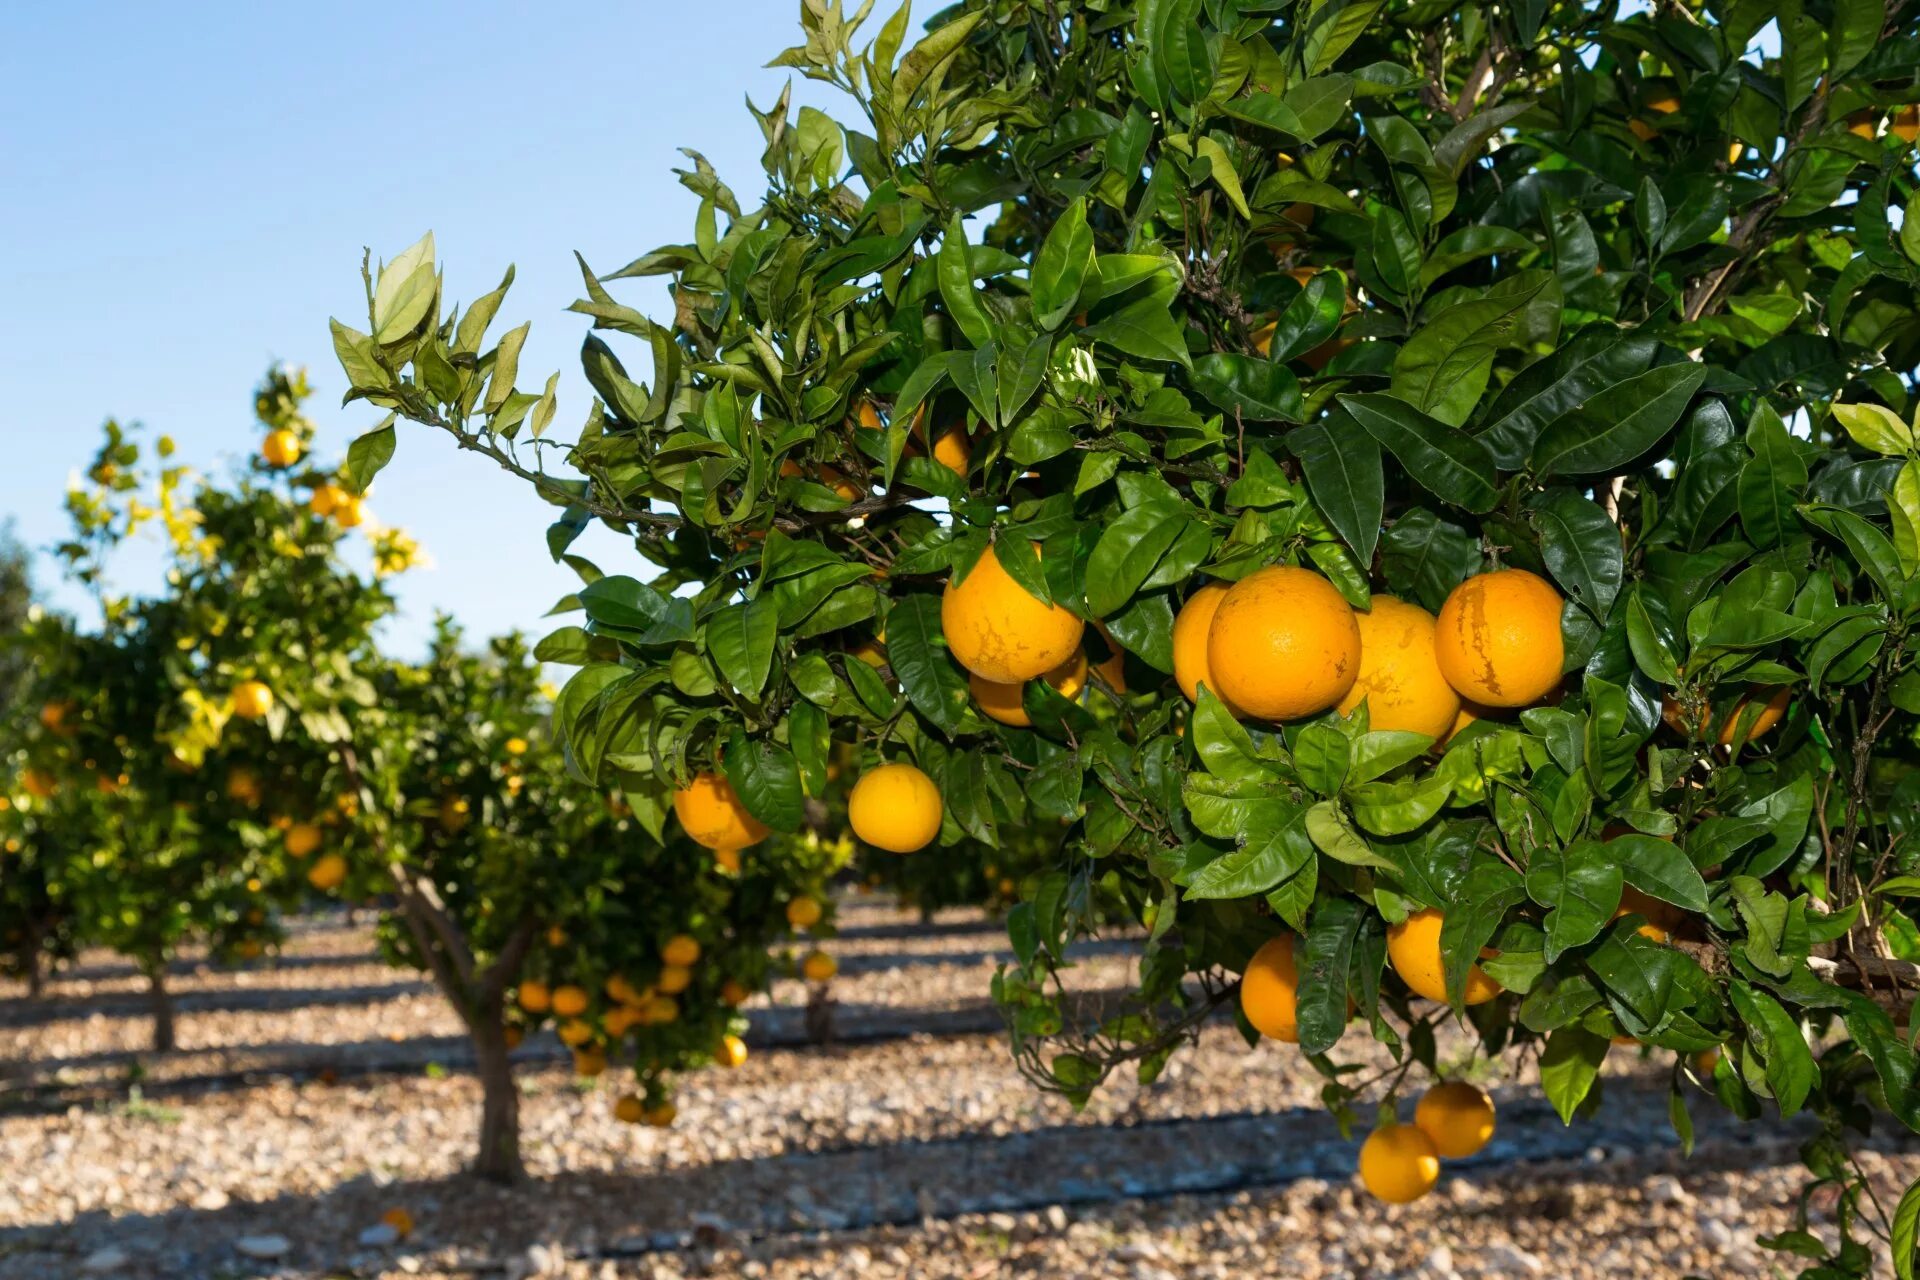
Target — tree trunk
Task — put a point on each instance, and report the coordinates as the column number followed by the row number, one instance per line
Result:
column 162, row 1002
column 498, row 1157
column 36, row 975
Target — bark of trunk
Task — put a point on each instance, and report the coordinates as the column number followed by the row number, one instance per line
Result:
column 162, row 1004
column 36, row 974
column 498, row 1158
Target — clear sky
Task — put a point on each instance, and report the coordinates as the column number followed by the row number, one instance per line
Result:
column 188, row 191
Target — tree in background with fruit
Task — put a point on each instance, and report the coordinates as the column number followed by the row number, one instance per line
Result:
column 1484, row 439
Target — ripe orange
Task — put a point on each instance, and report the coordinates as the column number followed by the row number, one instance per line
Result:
column 681, row 949
column 895, row 807
column 53, row 717
column 589, row 1061
column 326, row 499
column 1905, row 124
column 733, row 993
column 1399, row 680
column 732, row 1051
column 302, row 838
column 573, row 1033
column 1457, row 1116
column 1413, row 947
column 819, row 966
column 1498, row 638
column 1269, row 988
column 400, row 1220
column 569, row 1001
column 455, row 813
column 1003, row 702
column 1190, row 640
column 673, row 979
column 251, row 699
column 804, row 912
column 620, row 990
column 1283, row 644
column 515, row 746
column 620, row 1019
column 1660, row 917
column 350, row 511
column 660, row 1010
column 38, row 783
column 1398, row 1163
column 728, row 860
column 243, row 786
column 329, row 873
column 952, row 449
column 513, row 1035
column 999, row 632
column 1706, row 1062
column 534, row 996
column 556, row 936
column 1864, row 124
column 659, row 1116
column 281, row 448
column 713, row 816
column 1729, row 728
column 629, row 1109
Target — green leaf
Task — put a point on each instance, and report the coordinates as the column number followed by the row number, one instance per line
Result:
column 1658, row 868
column 1443, row 368
column 918, row 67
column 956, row 283
column 1263, row 862
column 1875, row 427
column 1581, row 546
column 1906, row 1231
column 359, row 358
column 1568, row 1067
column 1128, row 550
column 1597, row 358
column 1221, row 165
column 367, row 456
column 1770, row 482
column 405, row 293
column 1343, row 473
column 1619, row 424
column 917, row 652
column 1777, row 1038
column 1448, row 463
column 1331, row 833
column 1224, row 745
column 506, row 367
column 741, row 638
column 1311, row 318
column 1579, row 887
column 1144, row 328
column 1255, row 389
column 767, row 780
column 1061, row 267
column 1325, row 969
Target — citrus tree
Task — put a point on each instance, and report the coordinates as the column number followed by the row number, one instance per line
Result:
column 1484, row 437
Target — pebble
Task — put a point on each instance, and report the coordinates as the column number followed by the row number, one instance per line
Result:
column 1716, row 1235
column 379, row 1236
column 101, row 1261
column 1509, row 1260
column 1666, row 1189
column 264, row 1248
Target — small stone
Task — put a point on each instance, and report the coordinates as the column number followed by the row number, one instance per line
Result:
column 1056, row 1218
column 1503, row 1259
column 380, row 1236
column 262, row 1247
column 1666, row 1189
column 212, row 1200
column 101, row 1261
column 1716, row 1234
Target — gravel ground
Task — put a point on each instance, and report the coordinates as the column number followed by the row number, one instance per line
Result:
column 900, row 1155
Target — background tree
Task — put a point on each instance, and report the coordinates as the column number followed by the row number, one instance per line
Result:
column 1485, row 439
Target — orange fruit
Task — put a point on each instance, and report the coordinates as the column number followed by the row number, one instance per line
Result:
column 629, row 1109
column 1498, row 638
column 818, row 966
column 1457, row 1116
column 1905, row 124
column 728, row 860
column 620, row 990
column 1660, row 916
column 659, row 1116
column 1284, row 644
column 302, row 838
column 1398, row 1163
column 281, row 448
column 38, row 783
column 569, row 1001
column 895, row 807
column 1190, row 630
column 999, row 632
column 1268, row 990
column 515, row 746
column 573, row 1033
column 681, row 949
column 673, row 979
column 329, row 873
column 53, row 717
column 455, row 813
column 1004, row 702
column 1864, row 124
column 1399, row 680
column 350, row 511
column 513, row 1036
column 732, row 1051
column 1413, row 947
column 251, row 699
column 1706, row 1062
column 733, row 993
column 534, row 996
column 804, row 912
column 589, row 1062
column 952, row 450
column 660, row 1010
column 1729, row 727
column 713, row 816
column 400, row 1220
column 326, row 499
column 556, row 936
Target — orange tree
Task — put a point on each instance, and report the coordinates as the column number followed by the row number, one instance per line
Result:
column 1484, row 438
column 530, row 896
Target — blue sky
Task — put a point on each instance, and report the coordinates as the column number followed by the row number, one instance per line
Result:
column 187, row 201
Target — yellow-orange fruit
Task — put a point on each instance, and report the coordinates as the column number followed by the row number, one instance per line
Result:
column 673, row 979
column 281, row 448
column 895, row 807
column 302, row 838
column 1413, row 947
column 400, row 1220
column 350, row 511
column 1269, row 989
column 731, row 1052
column 1457, row 1116
column 804, row 912
column 1283, row 644
column 734, row 993
column 589, row 1062
column 251, row 699
column 53, row 717
column 728, row 860
column 659, row 1116
column 38, row 783
column 712, row 815
column 569, row 1001
column 326, row 499
column 621, row 990
column 1864, row 124
column 1399, row 679
column 534, row 996
column 1003, row 702
column 952, row 450
column 681, row 949
column 1498, row 639
column 629, row 1109
column 999, row 632
column 1190, row 630
column 819, row 966
column 329, row 873
column 1905, row 124
column 1728, row 727
column 455, row 813
column 1398, row 1163
column 1660, row 917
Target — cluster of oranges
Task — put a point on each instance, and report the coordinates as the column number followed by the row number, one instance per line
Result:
column 895, row 807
